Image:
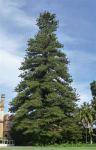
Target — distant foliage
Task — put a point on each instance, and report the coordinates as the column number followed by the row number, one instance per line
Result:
column 93, row 91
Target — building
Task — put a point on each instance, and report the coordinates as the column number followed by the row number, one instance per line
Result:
column 5, row 121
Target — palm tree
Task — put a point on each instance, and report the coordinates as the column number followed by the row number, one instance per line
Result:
column 86, row 116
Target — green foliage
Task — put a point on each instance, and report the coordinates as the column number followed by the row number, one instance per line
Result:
column 93, row 104
column 87, row 119
column 45, row 106
column 93, row 91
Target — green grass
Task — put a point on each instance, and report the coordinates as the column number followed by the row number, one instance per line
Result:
column 51, row 148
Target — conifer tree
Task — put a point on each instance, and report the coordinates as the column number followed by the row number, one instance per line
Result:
column 44, row 108
column 93, row 91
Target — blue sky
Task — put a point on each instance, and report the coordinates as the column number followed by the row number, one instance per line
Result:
column 77, row 31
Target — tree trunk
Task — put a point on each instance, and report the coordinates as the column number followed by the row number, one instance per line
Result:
column 86, row 135
column 91, row 141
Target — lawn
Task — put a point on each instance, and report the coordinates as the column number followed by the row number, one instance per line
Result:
column 49, row 148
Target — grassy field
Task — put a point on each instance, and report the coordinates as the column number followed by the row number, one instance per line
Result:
column 49, row 148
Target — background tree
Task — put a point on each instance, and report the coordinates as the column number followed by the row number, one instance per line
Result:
column 45, row 106
column 86, row 116
column 93, row 91
column 93, row 103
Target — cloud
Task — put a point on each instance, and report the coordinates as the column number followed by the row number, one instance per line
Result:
column 82, row 56
column 9, row 72
column 10, row 59
column 9, row 65
column 83, row 72
column 9, row 43
column 66, row 39
column 82, row 64
column 83, row 90
column 12, row 11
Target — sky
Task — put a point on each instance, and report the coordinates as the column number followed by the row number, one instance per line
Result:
column 77, row 31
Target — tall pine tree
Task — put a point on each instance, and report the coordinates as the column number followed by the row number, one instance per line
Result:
column 44, row 108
